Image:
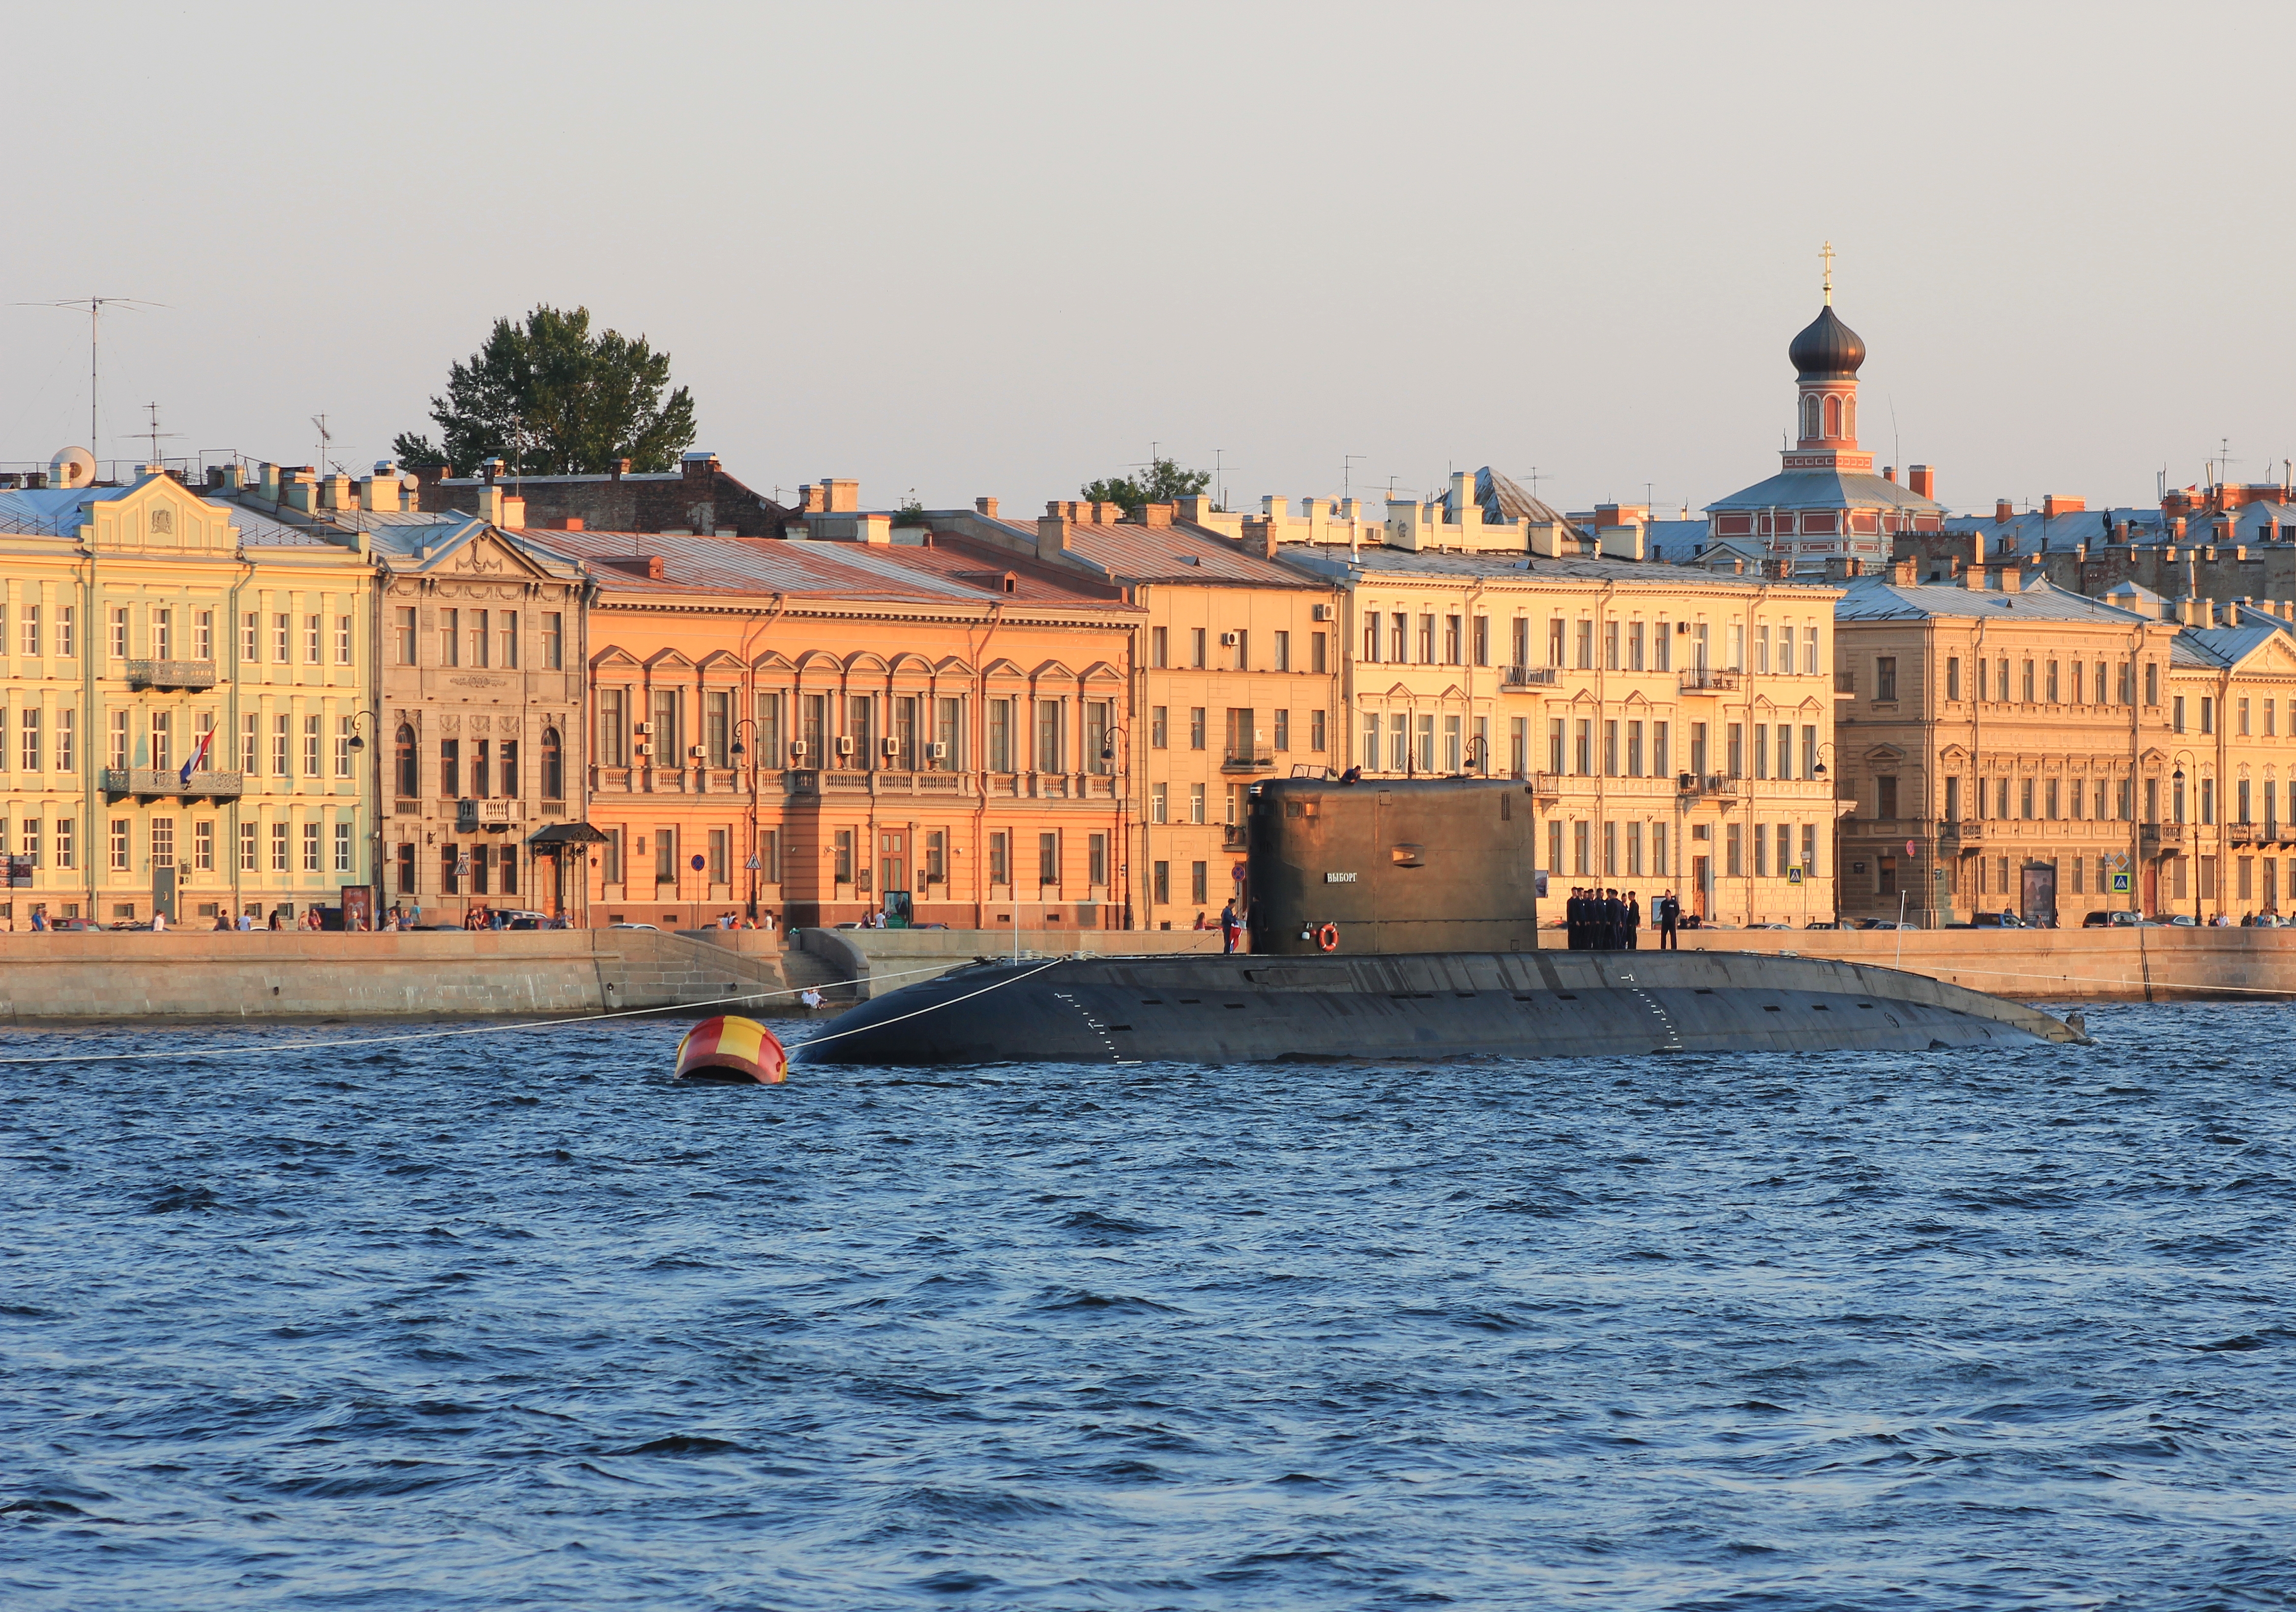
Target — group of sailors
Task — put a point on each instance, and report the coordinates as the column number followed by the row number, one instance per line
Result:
column 1605, row 920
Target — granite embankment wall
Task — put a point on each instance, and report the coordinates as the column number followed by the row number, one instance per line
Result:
column 2045, row 964
column 202, row 974
column 2052, row 965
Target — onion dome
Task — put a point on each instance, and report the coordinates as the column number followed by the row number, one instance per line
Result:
column 1826, row 347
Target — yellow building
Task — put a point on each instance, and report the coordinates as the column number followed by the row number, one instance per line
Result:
column 137, row 622
column 1674, row 724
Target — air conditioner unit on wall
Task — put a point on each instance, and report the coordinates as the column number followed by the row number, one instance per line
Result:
column 940, row 750
column 696, row 752
column 1229, row 639
column 641, row 727
column 845, row 744
column 892, row 746
column 1323, row 612
column 643, row 748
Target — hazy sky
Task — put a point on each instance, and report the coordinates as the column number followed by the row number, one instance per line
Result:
column 1002, row 247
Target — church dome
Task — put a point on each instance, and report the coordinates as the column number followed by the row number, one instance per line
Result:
column 1826, row 347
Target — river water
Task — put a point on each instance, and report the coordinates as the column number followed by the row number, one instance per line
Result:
column 508, row 1320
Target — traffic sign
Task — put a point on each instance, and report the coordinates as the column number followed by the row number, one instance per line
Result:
column 697, row 862
column 1793, row 875
column 751, row 864
column 2120, row 881
column 1913, row 848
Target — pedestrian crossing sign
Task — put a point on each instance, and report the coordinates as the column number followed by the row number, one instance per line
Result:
column 1793, row 875
column 2120, row 881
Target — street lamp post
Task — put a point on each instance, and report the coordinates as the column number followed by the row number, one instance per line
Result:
column 740, row 753
column 1833, row 826
column 2177, row 778
column 374, row 864
column 1112, row 750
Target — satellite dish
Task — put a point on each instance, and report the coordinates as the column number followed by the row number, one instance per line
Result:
column 72, row 467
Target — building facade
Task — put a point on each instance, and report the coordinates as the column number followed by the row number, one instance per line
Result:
column 821, row 729
column 1674, row 726
column 182, row 687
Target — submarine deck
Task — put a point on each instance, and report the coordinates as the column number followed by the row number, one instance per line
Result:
column 1534, row 1004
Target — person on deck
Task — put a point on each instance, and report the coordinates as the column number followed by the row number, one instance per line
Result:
column 1634, row 921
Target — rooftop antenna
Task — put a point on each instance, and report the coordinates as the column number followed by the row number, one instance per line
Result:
column 1897, row 448
column 95, row 306
column 1348, row 476
column 326, row 440
column 155, row 433
column 1219, row 478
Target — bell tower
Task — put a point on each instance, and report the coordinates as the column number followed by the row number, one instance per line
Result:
column 1826, row 357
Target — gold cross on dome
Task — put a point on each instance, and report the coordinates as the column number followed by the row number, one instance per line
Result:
column 1827, row 253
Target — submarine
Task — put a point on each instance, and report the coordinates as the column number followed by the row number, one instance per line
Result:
column 1399, row 920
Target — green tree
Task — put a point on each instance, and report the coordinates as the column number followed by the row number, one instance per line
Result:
column 550, row 399
column 1164, row 482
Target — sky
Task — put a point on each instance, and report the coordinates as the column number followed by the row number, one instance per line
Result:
column 1004, row 248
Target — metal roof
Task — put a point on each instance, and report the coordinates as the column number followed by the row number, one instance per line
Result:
column 1503, row 499
column 1828, row 489
column 1374, row 564
column 1877, row 599
column 1168, row 554
column 947, row 573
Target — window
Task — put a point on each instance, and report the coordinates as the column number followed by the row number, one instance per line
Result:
column 667, row 736
column 1196, row 647
column 721, row 856
column 1282, row 652
column 665, row 856
column 163, row 842
column 507, row 639
column 1885, row 677
column 1452, row 761
column 1195, row 802
column 1282, row 731
column 247, row 848
column 311, row 749
column 1315, row 731
column 1586, row 657
column 769, row 856
column 1196, row 727
column 163, row 740
column 510, row 769
column 1099, row 736
column 1953, row 677
column 1482, row 641
column 282, row 642
column 1399, row 637
column 1733, row 850
column 1160, row 646
column 554, row 641
column 2242, row 712
column 31, row 629
column 2153, row 686
column 1761, row 750
column 450, row 768
column 250, row 637
column 1427, row 638
column 343, row 846
column 2208, row 713
column 716, row 727
column 614, row 729
column 482, row 765
column 1762, row 665
column 1885, row 797
column 27, row 726
column 1160, row 884
column 405, row 771
column 310, row 848
column 1762, row 853
column 1199, row 882
column 342, row 747
column 1158, row 726
column 120, row 845
column 1316, row 654
column 1048, row 858
column 1051, row 751
column 1159, row 800
column 67, row 644
column 1000, row 857
column 313, row 641
column 342, row 641
column 554, row 766
column 1000, row 735
column 476, row 639
column 279, row 848
column 2026, row 687
column 450, row 637
column 1096, row 860
column 2176, row 713
column 1737, row 750
column 118, row 625
column 1452, row 647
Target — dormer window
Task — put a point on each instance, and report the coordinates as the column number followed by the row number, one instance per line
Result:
column 1011, row 581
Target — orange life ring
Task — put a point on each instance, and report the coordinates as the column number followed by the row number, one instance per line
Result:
column 1328, row 937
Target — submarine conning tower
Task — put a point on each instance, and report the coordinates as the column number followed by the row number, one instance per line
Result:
column 1427, row 865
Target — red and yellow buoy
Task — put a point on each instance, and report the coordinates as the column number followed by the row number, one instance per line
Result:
column 735, row 1050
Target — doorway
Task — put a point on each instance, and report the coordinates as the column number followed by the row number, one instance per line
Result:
column 2041, row 895
column 1701, row 885
column 893, row 859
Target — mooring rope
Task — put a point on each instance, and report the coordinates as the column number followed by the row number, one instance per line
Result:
column 433, row 1035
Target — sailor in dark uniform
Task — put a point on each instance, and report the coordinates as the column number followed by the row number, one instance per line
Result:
column 1614, row 921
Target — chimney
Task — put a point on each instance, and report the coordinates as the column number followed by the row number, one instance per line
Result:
column 490, row 470
column 570, row 523
column 1974, row 578
column 2013, row 581
column 618, row 470
column 1262, row 534
column 513, row 513
column 876, row 527
column 1921, row 480
column 1463, row 495
column 987, row 508
column 2003, row 510
column 1889, row 474
column 1053, row 533
column 335, row 493
column 2056, row 504
column 1901, row 572
column 1156, row 515
column 490, row 503
column 812, row 500
column 1102, row 513
column 299, row 488
column 842, row 498
column 268, row 482
column 698, row 466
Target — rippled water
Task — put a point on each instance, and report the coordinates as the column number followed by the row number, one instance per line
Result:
column 509, row 1322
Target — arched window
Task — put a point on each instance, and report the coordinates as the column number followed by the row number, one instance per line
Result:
column 1849, row 416
column 408, row 770
column 1808, row 417
column 554, row 766
column 1833, row 416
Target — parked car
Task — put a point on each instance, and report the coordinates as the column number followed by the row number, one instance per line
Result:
column 2113, row 920
column 2004, row 920
column 633, row 926
column 1826, row 924
column 2180, row 920
column 1882, row 923
column 526, row 920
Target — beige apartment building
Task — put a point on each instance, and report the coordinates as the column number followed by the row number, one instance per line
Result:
column 2018, row 746
column 1674, row 724
column 1236, row 678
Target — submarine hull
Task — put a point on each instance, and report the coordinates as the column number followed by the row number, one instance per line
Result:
column 1563, row 1004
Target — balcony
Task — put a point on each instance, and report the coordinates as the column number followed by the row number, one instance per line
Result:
column 1545, row 786
column 1529, row 677
column 1231, row 836
column 1248, row 760
column 151, row 783
column 2163, row 838
column 1710, row 682
column 1712, row 786
column 2246, row 833
column 171, row 674
column 1968, row 834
